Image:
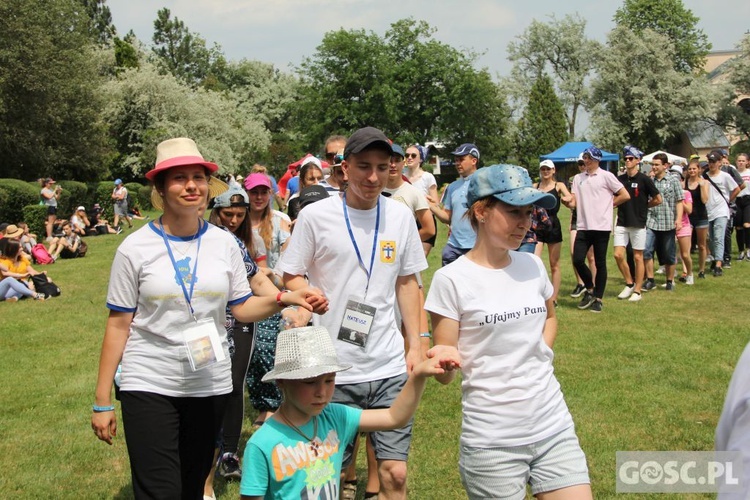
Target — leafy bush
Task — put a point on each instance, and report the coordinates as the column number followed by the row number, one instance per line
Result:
column 74, row 194
column 103, row 197
column 134, row 190
column 19, row 194
column 4, row 201
column 35, row 216
column 144, row 198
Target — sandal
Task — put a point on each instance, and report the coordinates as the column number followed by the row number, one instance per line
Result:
column 349, row 492
column 370, row 494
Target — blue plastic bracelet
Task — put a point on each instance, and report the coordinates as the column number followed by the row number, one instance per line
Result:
column 425, row 335
column 101, row 409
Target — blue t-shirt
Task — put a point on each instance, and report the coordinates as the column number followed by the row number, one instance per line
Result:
column 293, row 185
column 462, row 234
column 274, row 186
column 280, row 464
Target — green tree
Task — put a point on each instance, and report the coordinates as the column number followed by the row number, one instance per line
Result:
column 145, row 107
column 640, row 98
column 406, row 83
column 185, row 54
column 561, row 48
column 126, row 54
column 671, row 19
column 50, row 103
column 100, row 26
column 543, row 126
column 734, row 111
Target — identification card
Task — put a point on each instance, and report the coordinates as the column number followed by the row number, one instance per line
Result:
column 203, row 344
column 357, row 322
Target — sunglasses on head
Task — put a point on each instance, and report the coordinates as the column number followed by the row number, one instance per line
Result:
column 412, row 155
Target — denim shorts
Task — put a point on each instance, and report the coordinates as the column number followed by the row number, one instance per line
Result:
column 662, row 243
column 388, row 445
column 503, row 473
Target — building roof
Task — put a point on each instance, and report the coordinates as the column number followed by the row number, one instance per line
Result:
column 707, row 135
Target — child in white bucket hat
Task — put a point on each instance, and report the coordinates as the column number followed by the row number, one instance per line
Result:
column 299, row 451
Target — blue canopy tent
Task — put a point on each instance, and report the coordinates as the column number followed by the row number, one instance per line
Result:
column 568, row 153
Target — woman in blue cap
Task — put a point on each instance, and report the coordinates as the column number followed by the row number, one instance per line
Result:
column 495, row 305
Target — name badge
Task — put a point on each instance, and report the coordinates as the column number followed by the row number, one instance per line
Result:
column 203, row 344
column 357, row 322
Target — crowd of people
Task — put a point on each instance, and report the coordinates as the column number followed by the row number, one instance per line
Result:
column 319, row 313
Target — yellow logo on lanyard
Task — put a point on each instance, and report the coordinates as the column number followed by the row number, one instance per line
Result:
column 388, row 252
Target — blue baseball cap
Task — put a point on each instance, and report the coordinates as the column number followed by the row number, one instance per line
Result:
column 467, row 149
column 508, row 183
column 594, row 152
column 118, row 182
column 398, row 150
column 224, row 200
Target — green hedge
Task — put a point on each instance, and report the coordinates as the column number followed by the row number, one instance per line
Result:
column 19, row 194
column 35, row 216
column 144, row 198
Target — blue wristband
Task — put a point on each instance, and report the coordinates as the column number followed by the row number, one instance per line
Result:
column 425, row 335
column 102, row 409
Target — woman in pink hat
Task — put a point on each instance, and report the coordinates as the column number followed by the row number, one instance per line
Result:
column 170, row 283
column 273, row 228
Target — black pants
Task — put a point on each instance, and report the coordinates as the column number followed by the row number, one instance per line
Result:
column 170, row 442
column 600, row 241
column 243, row 346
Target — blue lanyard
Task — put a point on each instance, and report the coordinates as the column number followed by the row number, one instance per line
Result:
column 354, row 242
column 188, row 297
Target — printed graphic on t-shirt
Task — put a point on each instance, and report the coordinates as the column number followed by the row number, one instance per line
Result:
column 388, row 252
column 183, row 272
column 511, row 316
column 313, row 459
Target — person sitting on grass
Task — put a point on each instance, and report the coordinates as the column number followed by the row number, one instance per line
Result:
column 16, row 265
column 79, row 222
column 100, row 224
column 67, row 246
column 307, row 436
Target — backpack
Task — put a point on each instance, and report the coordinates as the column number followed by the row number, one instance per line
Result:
column 129, row 200
column 41, row 255
column 44, row 285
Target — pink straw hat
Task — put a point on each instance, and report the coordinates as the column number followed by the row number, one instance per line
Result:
column 176, row 153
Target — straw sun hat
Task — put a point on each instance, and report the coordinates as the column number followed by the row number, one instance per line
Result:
column 176, row 153
column 304, row 353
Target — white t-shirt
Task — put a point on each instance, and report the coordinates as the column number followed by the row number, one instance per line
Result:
column 733, row 429
column 321, row 248
column 424, row 183
column 717, row 202
column 143, row 281
column 510, row 394
column 745, row 174
column 409, row 196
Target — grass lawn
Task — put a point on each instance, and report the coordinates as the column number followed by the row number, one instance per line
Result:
column 640, row 376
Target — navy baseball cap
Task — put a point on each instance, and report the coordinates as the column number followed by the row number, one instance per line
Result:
column 364, row 138
column 398, row 150
column 467, row 149
column 508, row 183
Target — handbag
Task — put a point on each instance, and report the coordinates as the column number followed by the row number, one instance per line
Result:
column 42, row 284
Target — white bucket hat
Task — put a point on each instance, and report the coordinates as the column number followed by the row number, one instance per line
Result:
column 302, row 353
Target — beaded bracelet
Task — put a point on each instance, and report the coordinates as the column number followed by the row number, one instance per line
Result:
column 102, row 409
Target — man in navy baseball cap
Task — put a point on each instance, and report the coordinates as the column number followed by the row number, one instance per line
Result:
column 462, row 236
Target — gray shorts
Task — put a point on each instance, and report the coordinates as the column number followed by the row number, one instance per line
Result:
column 388, row 445
column 502, row 473
column 121, row 209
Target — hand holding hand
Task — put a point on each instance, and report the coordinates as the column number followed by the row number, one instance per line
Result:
column 440, row 359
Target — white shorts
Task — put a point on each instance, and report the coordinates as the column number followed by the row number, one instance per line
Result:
column 503, row 473
column 635, row 235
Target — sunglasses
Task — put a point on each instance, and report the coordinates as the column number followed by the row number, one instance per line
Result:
column 411, row 155
column 330, row 155
column 629, row 158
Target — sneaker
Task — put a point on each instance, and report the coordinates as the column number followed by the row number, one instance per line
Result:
column 578, row 291
column 626, row 292
column 682, row 279
column 718, row 272
column 701, row 275
column 727, row 264
column 661, row 270
column 596, row 307
column 709, row 258
column 229, row 468
column 742, row 256
column 670, row 287
column 635, row 297
column 648, row 286
column 587, row 300
column 40, row 296
column 11, row 299
column 689, row 280
column 119, row 230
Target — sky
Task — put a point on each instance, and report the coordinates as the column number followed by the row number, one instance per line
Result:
column 283, row 32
